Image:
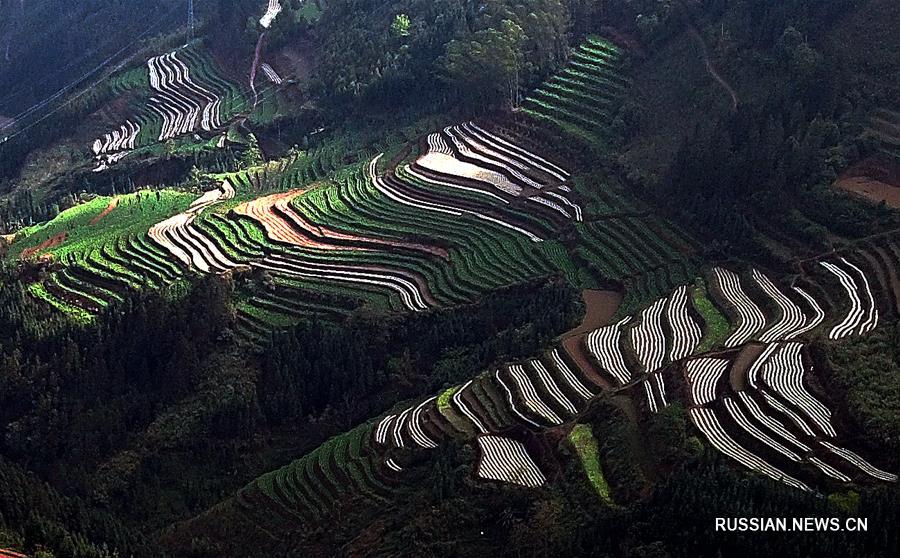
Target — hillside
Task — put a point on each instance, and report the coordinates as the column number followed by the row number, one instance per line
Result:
column 409, row 278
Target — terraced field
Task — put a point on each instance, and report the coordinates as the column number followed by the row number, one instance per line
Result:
column 409, row 236
column 753, row 396
column 480, row 206
column 884, row 124
column 459, row 212
column 178, row 93
column 471, row 208
column 583, row 99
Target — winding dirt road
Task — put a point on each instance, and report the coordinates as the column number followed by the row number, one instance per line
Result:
column 735, row 100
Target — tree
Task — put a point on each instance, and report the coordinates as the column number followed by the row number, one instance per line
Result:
column 488, row 65
column 400, row 26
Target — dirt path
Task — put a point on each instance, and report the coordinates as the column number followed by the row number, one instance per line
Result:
column 113, row 203
column 256, row 55
column 798, row 262
column 54, row 240
column 741, row 365
column 735, row 100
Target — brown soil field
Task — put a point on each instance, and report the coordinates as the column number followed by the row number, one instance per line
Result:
column 876, row 179
column 577, row 351
column 601, row 307
column 55, row 240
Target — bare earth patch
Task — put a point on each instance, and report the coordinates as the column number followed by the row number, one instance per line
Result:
column 284, row 224
column 54, row 240
column 601, row 307
column 876, row 179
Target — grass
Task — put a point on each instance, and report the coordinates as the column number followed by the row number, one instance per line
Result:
column 443, row 400
column 717, row 327
column 79, row 315
column 136, row 213
column 582, row 439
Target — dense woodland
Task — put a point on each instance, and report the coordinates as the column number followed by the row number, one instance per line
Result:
column 113, row 431
column 107, row 383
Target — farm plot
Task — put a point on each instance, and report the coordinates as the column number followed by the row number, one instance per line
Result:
column 795, row 311
column 884, row 124
column 770, row 420
column 368, row 251
column 641, row 253
column 283, row 223
column 272, row 10
column 507, row 460
column 773, row 423
column 863, row 314
column 180, row 93
column 464, row 156
column 340, row 470
column 403, row 241
column 582, row 100
column 671, row 329
column 186, row 243
column 103, row 249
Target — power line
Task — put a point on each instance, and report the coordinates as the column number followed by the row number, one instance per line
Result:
column 65, row 89
column 191, row 19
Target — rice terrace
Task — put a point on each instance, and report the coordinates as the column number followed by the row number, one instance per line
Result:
column 449, row 277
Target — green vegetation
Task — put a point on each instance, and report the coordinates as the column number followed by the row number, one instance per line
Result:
column 865, row 370
column 582, row 439
column 443, row 400
column 716, row 328
column 78, row 314
column 134, row 214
